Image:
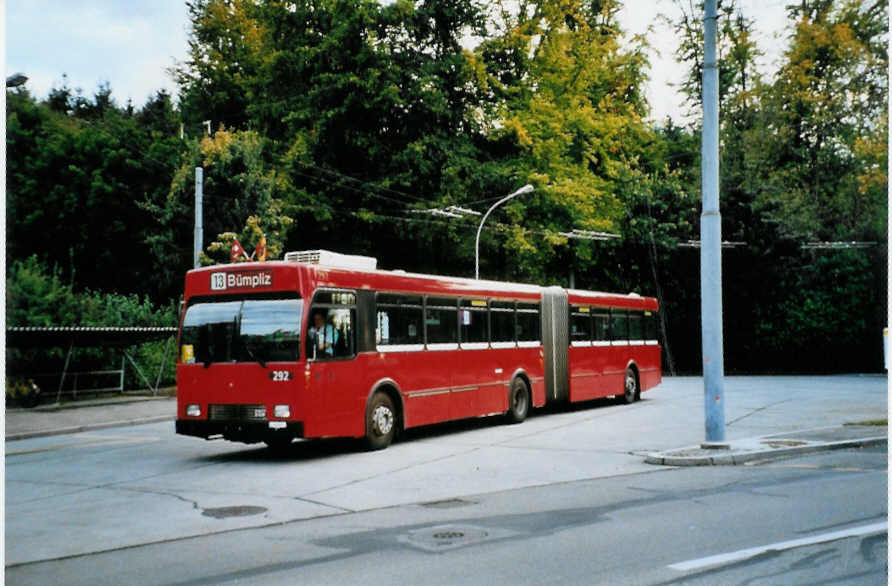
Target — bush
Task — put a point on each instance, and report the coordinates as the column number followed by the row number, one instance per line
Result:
column 37, row 296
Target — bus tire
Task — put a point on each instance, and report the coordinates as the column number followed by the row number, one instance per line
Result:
column 380, row 422
column 631, row 390
column 518, row 401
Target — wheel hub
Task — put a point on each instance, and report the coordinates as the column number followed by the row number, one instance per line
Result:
column 383, row 420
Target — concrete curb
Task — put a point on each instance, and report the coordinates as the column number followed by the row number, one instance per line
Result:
column 56, row 407
column 87, row 427
column 733, row 459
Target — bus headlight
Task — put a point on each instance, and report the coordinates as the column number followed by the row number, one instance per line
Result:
column 193, row 410
column 282, row 411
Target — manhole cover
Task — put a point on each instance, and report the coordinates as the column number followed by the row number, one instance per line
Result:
column 445, row 537
column 448, row 535
column 238, row 511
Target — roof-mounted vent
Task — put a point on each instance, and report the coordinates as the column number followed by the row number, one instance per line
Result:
column 333, row 259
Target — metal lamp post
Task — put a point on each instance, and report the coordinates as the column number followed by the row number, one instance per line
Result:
column 525, row 189
column 198, row 232
column 711, row 240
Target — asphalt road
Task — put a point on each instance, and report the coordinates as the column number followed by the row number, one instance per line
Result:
column 809, row 520
column 563, row 498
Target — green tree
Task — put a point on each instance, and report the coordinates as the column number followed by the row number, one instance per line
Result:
column 735, row 46
column 571, row 122
column 226, row 48
column 828, row 102
column 243, row 190
column 76, row 171
column 368, row 106
column 800, row 160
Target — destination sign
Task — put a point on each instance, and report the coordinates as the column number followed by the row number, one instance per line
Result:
column 256, row 279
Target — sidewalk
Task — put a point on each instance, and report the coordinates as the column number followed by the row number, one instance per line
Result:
column 76, row 417
column 767, row 447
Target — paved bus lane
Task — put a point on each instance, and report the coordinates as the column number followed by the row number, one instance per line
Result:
column 710, row 525
column 124, row 487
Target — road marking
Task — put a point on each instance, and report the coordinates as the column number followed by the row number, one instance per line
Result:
column 744, row 554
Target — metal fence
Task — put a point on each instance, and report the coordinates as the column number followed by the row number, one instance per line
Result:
column 69, row 382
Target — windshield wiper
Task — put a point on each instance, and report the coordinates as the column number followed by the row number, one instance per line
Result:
column 251, row 354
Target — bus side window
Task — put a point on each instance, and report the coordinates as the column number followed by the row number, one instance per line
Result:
column 651, row 326
column 399, row 320
column 528, row 329
column 441, row 320
column 580, row 324
column 501, row 315
column 601, row 331
column 619, row 325
column 636, row 326
column 474, row 321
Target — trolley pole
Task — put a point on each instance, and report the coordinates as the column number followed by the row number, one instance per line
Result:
column 711, row 240
column 198, row 235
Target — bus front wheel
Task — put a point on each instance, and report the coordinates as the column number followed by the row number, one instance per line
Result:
column 380, row 422
column 518, row 401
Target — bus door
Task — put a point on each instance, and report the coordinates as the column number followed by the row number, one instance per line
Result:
column 584, row 369
column 444, row 401
column 478, row 383
column 334, row 375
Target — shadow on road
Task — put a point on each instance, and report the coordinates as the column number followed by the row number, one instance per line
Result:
column 304, row 450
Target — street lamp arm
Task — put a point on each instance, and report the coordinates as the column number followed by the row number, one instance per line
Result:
column 525, row 189
column 16, row 79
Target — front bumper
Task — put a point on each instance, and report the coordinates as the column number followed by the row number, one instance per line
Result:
column 248, row 432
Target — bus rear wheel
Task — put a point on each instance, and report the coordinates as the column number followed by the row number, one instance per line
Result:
column 631, row 392
column 380, row 422
column 518, row 401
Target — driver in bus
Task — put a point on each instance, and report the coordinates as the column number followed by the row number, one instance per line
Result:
column 322, row 336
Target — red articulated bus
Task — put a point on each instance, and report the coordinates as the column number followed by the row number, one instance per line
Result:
column 325, row 345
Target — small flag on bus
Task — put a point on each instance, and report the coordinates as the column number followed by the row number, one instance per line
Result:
column 236, row 251
column 260, row 251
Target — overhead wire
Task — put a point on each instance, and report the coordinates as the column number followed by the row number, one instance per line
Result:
column 365, row 183
column 355, row 189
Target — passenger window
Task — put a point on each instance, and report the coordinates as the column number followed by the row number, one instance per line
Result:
column 636, row 327
column 651, row 326
column 528, row 322
column 619, row 326
column 601, row 327
column 441, row 321
column 501, row 319
column 580, row 324
column 474, row 321
column 399, row 320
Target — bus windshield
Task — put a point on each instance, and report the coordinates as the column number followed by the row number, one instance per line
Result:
column 250, row 330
